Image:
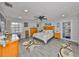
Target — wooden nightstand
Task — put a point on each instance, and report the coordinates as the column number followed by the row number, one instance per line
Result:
column 0, row 50
column 33, row 30
column 57, row 35
column 26, row 33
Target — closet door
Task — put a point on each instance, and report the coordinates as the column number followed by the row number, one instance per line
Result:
column 66, row 29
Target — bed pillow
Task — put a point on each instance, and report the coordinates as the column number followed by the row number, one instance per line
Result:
column 49, row 31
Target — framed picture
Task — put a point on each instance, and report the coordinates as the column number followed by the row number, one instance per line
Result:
column 25, row 24
column 37, row 25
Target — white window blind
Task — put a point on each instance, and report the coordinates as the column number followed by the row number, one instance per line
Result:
column 16, row 27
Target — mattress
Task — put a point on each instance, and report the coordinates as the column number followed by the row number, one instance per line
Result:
column 44, row 36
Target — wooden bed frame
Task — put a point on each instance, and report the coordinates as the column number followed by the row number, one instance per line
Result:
column 47, row 27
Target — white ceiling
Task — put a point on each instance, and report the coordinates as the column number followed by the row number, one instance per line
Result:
column 53, row 10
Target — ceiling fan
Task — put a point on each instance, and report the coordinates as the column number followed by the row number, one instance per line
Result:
column 40, row 17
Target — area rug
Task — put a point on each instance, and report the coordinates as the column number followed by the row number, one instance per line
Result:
column 66, row 50
column 30, row 45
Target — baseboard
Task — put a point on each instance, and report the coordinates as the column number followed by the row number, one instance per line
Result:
column 71, row 41
column 75, row 42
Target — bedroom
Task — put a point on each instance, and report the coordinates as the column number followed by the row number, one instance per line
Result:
column 43, row 28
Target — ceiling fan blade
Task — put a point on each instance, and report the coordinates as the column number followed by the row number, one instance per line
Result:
column 8, row 4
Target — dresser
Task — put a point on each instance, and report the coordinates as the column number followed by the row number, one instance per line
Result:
column 33, row 30
column 0, row 51
column 10, row 50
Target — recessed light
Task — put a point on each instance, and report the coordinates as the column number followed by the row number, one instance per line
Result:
column 13, row 23
column 20, row 17
column 63, row 15
column 25, row 10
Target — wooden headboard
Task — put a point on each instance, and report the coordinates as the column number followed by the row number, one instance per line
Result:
column 49, row 27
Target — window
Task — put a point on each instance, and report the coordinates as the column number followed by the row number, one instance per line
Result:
column 2, row 26
column 16, row 27
column 2, row 23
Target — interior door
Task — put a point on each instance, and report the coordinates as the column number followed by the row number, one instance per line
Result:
column 66, row 26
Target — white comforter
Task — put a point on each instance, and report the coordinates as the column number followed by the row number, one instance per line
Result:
column 44, row 36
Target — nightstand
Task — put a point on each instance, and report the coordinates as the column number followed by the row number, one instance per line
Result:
column 26, row 33
column 0, row 50
column 57, row 35
column 33, row 30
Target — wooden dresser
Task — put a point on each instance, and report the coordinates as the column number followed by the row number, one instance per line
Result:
column 33, row 30
column 10, row 50
column 0, row 51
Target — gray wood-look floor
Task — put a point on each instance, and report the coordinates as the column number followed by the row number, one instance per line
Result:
column 46, row 50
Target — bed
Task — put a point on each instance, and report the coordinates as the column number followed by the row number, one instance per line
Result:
column 44, row 36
